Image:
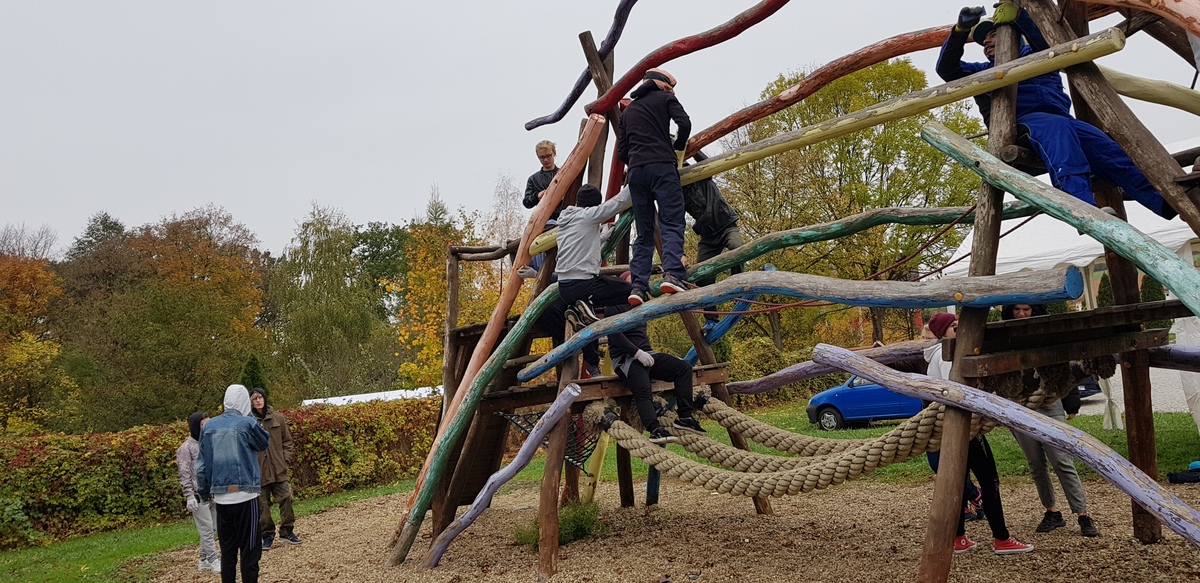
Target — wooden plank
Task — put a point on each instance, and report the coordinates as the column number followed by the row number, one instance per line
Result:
column 1074, row 322
column 1024, row 287
column 560, row 408
column 1178, row 515
column 1162, row 264
column 1015, row 360
column 594, row 389
column 625, row 477
column 456, row 481
column 556, row 447
column 916, row 102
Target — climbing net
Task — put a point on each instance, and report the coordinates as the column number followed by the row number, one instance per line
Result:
column 581, row 438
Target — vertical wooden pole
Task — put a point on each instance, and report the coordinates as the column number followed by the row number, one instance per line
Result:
column 704, row 352
column 946, row 507
column 624, row 463
column 548, row 498
column 448, row 347
column 587, row 487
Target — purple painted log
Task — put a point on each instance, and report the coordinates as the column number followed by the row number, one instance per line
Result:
column 558, row 409
column 1176, row 514
column 1185, row 358
column 606, row 47
column 899, row 352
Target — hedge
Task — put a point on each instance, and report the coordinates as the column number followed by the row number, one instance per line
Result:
column 57, row 486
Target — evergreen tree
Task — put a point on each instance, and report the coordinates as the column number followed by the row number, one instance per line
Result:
column 252, row 375
column 1152, row 291
column 1104, row 297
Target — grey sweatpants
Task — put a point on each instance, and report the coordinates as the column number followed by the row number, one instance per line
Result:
column 1037, row 454
column 205, row 518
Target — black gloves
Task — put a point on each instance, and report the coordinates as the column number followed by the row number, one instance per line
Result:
column 968, row 17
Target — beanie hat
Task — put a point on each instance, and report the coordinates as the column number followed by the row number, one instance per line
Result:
column 941, row 322
column 588, row 196
column 259, row 391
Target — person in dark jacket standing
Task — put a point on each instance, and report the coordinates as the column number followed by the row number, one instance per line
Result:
column 227, row 474
column 1072, row 150
column 644, row 145
column 276, row 482
column 717, row 224
column 539, row 181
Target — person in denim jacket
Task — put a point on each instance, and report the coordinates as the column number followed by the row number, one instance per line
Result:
column 227, row 473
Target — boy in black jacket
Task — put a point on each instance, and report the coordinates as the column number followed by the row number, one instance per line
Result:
column 717, row 224
column 644, row 144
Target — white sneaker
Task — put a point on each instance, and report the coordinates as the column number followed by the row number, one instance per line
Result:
column 215, row 565
column 203, row 566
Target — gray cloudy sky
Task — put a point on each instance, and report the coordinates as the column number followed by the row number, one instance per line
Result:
column 148, row 108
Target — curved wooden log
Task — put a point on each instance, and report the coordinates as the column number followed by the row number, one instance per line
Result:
column 901, row 351
column 901, row 44
column 1024, row 287
column 1183, row 13
column 1176, row 514
column 448, row 434
column 606, row 47
column 1079, row 51
column 725, row 324
column 1185, row 358
column 1153, row 90
column 1163, row 265
column 560, row 408
column 687, row 45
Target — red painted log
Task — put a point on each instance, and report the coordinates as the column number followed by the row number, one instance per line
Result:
column 1185, row 14
column 684, row 46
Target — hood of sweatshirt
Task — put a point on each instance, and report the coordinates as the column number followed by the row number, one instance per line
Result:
column 931, row 351
column 237, row 399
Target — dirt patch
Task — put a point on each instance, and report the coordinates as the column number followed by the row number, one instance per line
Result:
column 858, row 532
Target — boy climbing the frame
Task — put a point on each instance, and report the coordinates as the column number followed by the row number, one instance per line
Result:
column 644, row 145
column 580, row 233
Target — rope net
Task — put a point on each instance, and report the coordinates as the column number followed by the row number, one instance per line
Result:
column 581, row 437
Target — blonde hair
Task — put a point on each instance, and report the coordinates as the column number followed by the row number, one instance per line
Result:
column 545, row 146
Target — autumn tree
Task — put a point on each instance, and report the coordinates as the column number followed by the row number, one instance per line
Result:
column 884, row 166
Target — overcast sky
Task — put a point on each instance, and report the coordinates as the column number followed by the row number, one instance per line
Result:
column 148, row 108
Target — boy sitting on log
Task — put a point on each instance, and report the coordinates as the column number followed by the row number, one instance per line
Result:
column 580, row 233
column 1072, row 150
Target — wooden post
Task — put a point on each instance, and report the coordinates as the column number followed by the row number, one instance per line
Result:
column 448, row 345
column 601, row 71
column 548, row 498
column 946, row 507
column 587, row 487
column 624, row 463
column 570, row 491
column 704, row 352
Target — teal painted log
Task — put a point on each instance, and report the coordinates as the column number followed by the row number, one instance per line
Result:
column 1025, row 287
column 1175, row 513
column 1150, row 256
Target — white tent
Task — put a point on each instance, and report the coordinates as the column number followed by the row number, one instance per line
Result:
column 421, row 393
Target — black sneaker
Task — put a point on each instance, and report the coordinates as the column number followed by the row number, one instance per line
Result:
column 585, row 312
column 689, row 424
column 593, row 371
column 1051, row 521
column 638, row 297
column 672, row 285
column 573, row 318
column 267, row 540
column 290, row 538
column 1087, row 527
column 660, row 436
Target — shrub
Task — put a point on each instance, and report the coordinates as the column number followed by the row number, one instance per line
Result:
column 77, row 484
column 758, row 357
column 576, row 521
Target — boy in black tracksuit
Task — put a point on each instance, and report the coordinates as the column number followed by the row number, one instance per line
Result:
column 635, row 362
column 644, row 144
column 716, row 223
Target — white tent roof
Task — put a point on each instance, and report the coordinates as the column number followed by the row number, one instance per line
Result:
column 421, row 393
column 1046, row 242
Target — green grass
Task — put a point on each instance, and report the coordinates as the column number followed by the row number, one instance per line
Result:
column 131, row 554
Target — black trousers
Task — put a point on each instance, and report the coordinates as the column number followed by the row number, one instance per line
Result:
column 666, row 368
column 554, row 322
column 237, row 530
column 982, row 463
column 601, row 291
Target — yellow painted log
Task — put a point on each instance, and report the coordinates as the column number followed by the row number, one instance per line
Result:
column 1153, row 90
column 587, row 484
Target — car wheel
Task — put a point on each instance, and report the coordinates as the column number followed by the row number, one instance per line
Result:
column 829, row 419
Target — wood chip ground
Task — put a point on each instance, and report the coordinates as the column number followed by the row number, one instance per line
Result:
column 858, row 532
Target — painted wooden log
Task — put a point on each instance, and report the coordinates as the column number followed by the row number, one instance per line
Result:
column 587, row 485
column 892, row 353
column 1164, row 266
column 1024, row 287
column 909, row 104
column 1185, row 14
column 899, row 45
column 725, row 324
column 842, row 227
column 1185, row 358
column 684, row 46
column 606, row 47
column 560, row 408
column 1153, row 90
column 1176, row 514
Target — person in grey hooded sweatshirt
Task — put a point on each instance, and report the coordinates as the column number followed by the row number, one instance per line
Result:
column 203, row 513
column 227, row 473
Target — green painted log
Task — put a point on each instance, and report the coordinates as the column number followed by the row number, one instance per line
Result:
column 1059, row 57
column 1150, row 256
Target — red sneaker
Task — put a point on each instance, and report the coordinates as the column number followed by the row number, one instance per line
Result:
column 963, row 544
column 1011, row 546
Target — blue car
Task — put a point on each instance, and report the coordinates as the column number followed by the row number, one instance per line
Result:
column 859, row 401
